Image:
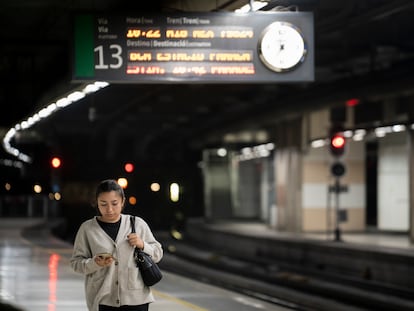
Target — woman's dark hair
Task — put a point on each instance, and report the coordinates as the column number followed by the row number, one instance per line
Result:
column 109, row 185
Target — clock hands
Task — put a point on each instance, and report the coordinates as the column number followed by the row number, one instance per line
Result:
column 281, row 47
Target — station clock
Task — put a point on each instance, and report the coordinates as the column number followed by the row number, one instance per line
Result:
column 281, row 47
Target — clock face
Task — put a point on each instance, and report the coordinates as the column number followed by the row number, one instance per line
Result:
column 281, row 47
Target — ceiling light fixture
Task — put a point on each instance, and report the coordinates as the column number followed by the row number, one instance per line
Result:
column 45, row 113
column 252, row 6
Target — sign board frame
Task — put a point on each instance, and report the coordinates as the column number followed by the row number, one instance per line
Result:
column 183, row 47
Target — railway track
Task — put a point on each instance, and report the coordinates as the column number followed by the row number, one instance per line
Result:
column 295, row 286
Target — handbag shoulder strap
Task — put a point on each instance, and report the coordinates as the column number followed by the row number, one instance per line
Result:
column 132, row 219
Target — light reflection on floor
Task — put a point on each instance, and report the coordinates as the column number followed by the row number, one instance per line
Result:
column 53, row 278
column 35, row 278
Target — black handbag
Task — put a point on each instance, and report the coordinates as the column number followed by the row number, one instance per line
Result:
column 150, row 272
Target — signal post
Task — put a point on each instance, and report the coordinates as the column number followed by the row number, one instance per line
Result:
column 337, row 149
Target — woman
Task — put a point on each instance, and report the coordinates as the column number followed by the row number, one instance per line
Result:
column 103, row 252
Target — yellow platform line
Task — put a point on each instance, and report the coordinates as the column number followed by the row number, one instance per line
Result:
column 178, row 300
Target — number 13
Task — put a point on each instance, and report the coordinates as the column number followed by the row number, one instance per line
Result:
column 116, row 55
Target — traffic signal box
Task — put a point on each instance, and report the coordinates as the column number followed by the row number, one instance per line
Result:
column 337, row 144
column 337, row 148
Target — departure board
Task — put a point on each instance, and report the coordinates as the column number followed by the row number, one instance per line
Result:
column 189, row 47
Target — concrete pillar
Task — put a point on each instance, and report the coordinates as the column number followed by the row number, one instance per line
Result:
column 217, row 192
column 411, row 183
column 288, row 187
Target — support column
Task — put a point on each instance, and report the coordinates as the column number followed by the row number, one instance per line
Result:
column 217, row 193
column 411, row 182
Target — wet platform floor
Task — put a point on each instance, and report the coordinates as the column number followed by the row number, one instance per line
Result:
column 39, row 278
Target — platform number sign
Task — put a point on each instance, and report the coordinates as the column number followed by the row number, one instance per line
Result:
column 214, row 47
column 115, row 60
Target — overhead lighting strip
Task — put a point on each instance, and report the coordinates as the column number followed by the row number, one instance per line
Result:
column 45, row 113
column 359, row 134
column 252, row 6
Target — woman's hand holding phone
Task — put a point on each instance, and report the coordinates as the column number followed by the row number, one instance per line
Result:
column 104, row 259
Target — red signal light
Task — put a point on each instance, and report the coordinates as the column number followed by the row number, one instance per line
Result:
column 352, row 102
column 338, row 143
column 129, row 167
column 56, row 162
